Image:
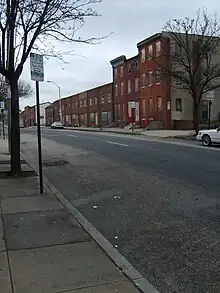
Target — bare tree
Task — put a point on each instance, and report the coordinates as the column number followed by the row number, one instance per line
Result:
column 35, row 24
column 195, row 56
column 24, row 89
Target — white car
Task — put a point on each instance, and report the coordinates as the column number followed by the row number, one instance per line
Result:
column 57, row 125
column 207, row 137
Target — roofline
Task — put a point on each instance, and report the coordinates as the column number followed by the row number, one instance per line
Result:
column 117, row 59
column 44, row 103
column 134, row 57
column 100, row 86
column 149, row 39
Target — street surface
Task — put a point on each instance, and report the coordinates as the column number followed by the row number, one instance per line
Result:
column 157, row 201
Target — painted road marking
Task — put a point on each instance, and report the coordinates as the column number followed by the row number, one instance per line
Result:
column 72, row 135
column 116, row 143
column 45, row 134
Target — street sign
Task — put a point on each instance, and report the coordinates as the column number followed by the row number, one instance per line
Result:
column 210, row 95
column 37, row 67
column 2, row 105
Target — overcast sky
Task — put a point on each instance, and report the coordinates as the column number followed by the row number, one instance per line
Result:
column 129, row 21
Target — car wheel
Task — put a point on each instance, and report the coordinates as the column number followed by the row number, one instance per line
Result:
column 206, row 140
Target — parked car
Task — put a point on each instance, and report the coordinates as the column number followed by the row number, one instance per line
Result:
column 208, row 137
column 57, row 125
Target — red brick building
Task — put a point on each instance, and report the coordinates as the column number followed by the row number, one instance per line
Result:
column 126, row 94
column 29, row 116
column 100, row 106
column 75, row 109
column 83, row 108
column 67, row 110
column 49, row 115
column 56, row 111
column 155, row 87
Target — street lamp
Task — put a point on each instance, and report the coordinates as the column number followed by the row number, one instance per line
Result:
column 60, row 106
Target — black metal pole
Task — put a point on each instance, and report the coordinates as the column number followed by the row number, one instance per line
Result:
column 39, row 138
column 210, row 106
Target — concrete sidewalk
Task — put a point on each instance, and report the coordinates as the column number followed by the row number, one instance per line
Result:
column 44, row 250
column 149, row 133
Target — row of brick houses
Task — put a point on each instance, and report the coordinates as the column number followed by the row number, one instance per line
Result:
column 139, row 93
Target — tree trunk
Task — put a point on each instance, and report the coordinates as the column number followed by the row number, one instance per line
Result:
column 196, row 118
column 15, row 129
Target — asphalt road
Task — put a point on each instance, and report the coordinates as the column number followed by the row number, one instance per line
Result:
column 157, row 202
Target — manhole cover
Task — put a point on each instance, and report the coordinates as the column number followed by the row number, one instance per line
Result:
column 55, row 163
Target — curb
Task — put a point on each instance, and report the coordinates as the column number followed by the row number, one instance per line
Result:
column 105, row 131
column 118, row 259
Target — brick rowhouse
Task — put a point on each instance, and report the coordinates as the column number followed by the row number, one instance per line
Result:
column 100, row 106
column 29, row 116
column 126, row 90
column 75, row 110
column 49, row 115
column 141, row 92
column 155, row 107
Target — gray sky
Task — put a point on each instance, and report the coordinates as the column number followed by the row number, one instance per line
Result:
column 130, row 21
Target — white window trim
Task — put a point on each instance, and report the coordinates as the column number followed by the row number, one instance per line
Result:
column 143, row 56
column 129, row 87
column 136, row 82
column 143, row 84
column 122, row 89
column 150, row 56
column 158, row 52
column 158, row 83
column 150, row 73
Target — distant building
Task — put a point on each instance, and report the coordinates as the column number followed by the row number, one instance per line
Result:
column 126, row 93
column 43, row 106
column 140, row 93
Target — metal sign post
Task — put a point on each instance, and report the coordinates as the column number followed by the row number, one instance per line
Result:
column 210, row 97
column 37, row 74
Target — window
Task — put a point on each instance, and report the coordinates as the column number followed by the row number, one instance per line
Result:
column 150, row 52
column 109, row 98
column 116, row 112
column 116, row 90
column 115, row 73
column 151, row 106
column 178, row 49
column 129, row 67
column 179, row 105
column 158, row 48
column 85, row 102
column 102, row 99
column 158, row 76
column 92, row 117
column 123, row 113
column 121, row 71
column 178, row 77
column 129, row 86
column 144, row 105
column 136, row 84
column 143, row 55
column 95, row 100
column 136, row 65
column 159, row 104
column 81, row 103
column 143, row 76
column 104, row 116
column 90, row 101
column 119, row 112
column 150, row 77
column 122, row 88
